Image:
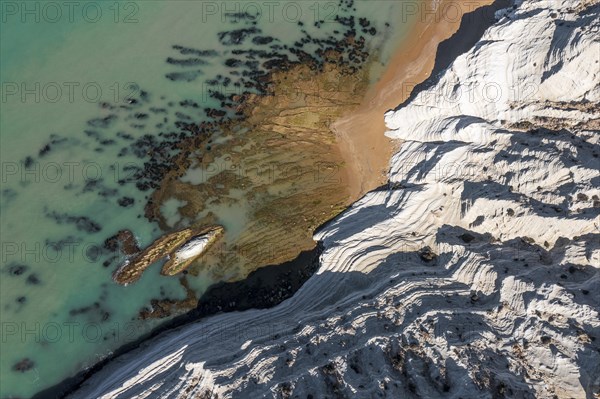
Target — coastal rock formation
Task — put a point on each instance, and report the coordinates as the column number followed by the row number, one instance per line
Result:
column 191, row 250
column 475, row 273
column 182, row 247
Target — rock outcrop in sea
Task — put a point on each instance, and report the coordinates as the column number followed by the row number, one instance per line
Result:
column 474, row 273
column 181, row 248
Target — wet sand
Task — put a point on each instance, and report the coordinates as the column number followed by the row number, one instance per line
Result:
column 361, row 134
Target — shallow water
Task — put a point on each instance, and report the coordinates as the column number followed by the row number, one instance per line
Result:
column 78, row 94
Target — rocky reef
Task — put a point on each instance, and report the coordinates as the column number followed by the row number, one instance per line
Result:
column 473, row 273
column 181, row 247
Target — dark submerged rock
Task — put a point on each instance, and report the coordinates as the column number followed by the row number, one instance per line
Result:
column 17, row 269
column 33, row 279
column 126, row 202
column 24, row 365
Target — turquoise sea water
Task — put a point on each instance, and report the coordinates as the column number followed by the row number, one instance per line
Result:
column 87, row 88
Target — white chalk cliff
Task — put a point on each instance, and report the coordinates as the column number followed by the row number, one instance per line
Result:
column 498, row 175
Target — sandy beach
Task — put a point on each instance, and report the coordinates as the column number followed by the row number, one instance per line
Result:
column 362, row 142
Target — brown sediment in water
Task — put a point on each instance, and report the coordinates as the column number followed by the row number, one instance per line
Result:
column 361, row 132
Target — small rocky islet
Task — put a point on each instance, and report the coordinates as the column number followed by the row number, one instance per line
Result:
column 181, row 247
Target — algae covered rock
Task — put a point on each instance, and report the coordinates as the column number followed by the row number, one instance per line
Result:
column 192, row 242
